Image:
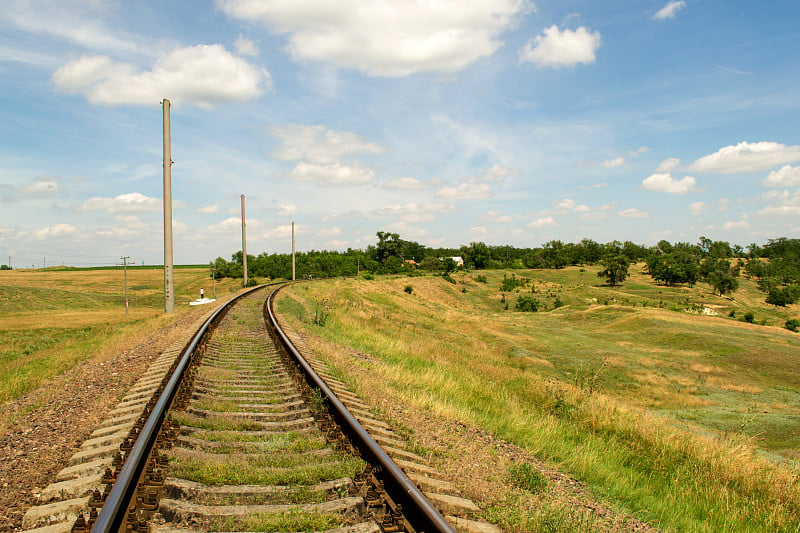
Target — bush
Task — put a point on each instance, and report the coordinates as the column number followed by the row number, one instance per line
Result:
column 448, row 277
column 251, row 282
column 511, row 283
column 481, row 279
column 464, row 290
column 749, row 317
column 409, row 289
column 793, row 325
column 367, row 276
column 528, row 304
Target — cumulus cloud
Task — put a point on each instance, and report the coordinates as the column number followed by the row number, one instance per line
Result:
column 132, row 202
column 613, row 163
column 786, row 176
column 666, row 183
column 740, row 224
column 245, row 47
column 568, row 204
column 209, row 209
column 544, row 222
column 498, row 174
column 319, row 144
column 413, row 212
column 697, row 208
column 669, row 10
column 384, row 38
column 202, row 74
column 41, row 187
column 466, row 191
column 633, row 213
column 410, row 184
column 55, row 232
column 558, row 48
column 668, row 165
column 747, row 157
column 333, row 174
column 406, row 230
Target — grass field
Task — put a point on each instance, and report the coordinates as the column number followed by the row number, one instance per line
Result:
column 51, row 319
column 691, row 421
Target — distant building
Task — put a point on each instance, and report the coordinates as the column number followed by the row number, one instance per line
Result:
column 410, row 263
column 458, row 261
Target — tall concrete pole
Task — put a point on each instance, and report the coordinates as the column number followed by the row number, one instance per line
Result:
column 293, row 251
column 244, row 245
column 169, row 278
column 125, row 277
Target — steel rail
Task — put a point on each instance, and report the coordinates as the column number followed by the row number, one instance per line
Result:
column 416, row 508
column 114, row 512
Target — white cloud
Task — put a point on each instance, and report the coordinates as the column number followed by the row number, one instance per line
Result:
column 633, row 213
column 613, row 163
column 384, row 38
column 668, row 165
column 202, row 74
column 567, row 204
column 747, row 157
column 561, row 48
column 407, row 231
column 319, row 144
column 466, row 191
column 209, row 209
column 245, row 47
column 410, row 184
column 286, row 210
column 786, row 176
column 333, row 174
column 544, row 222
column 41, row 187
column 504, row 220
column 723, row 203
column 413, row 212
column 498, row 174
column 697, row 208
column 669, row 10
column 666, row 183
column 55, row 232
column 132, row 202
column 741, row 224
column 329, row 232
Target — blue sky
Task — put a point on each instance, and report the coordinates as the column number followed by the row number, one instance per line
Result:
column 502, row 121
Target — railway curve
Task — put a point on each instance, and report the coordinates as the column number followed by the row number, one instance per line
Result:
column 238, row 431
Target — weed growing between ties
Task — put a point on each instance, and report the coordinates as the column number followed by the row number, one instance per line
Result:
column 264, row 471
column 284, row 521
column 612, row 425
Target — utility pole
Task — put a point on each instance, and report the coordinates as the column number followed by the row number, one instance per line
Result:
column 169, row 278
column 244, row 245
column 214, row 278
column 125, row 277
column 293, row 251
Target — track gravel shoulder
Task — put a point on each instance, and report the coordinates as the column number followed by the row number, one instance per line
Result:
column 47, row 426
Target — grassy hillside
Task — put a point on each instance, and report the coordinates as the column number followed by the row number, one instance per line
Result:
column 691, row 421
column 51, row 319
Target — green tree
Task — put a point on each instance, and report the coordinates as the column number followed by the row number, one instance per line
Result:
column 615, row 269
column 477, row 254
column 389, row 245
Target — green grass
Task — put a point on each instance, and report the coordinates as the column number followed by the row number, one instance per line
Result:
column 53, row 319
column 271, row 470
column 284, row 521
column 639, row 398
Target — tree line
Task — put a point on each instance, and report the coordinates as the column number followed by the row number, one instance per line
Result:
column 774, row 265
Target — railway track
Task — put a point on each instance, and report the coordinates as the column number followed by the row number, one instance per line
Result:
column 252, row 437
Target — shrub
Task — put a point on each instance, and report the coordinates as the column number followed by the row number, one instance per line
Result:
column 528, row 304
column 793, row 325
column 557, row 303
column 409, row 289
column 464, row 290
column 481, row 279
column 511, row 283
column 732, row 314
column 449, row 278
column 367, row 276
column 749, row 317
